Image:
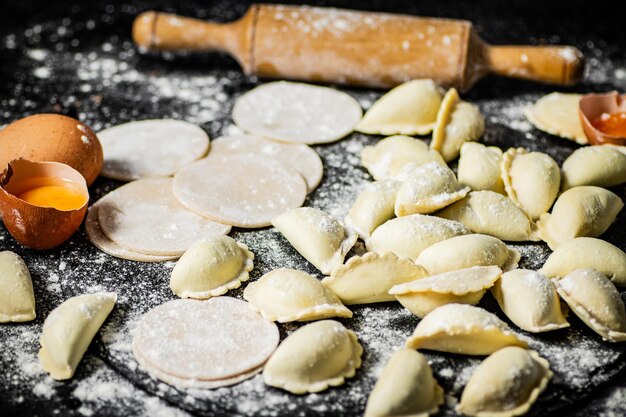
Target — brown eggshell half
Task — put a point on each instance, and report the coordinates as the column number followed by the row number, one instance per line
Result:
column 33, row 226
column 592, row 106
column 52, row 137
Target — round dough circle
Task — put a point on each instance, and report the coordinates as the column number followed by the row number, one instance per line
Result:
column 242, row 190
column 297, row 113
column 144, row 216
column 206, row 340
column 150, row 148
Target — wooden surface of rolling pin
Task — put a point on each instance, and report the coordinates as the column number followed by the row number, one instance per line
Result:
column 357, row 48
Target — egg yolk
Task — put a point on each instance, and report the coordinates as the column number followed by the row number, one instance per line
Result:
column 613, row 124
column 61, row 195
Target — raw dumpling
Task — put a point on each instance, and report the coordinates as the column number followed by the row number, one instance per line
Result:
column 466, row 251
column 557, row 114
column 465, row 329
column 314, row 357
column 395, row 156
column 479, row 167
column 529, row 300
column 368, row 278
column 17, row 300
column 596, row 301
column 465, row 286
column 285, row 295
column 428, row 188
column 408, row 109
column 408, row 236
column 531, row 179
column 505, row 384
column 373, row 207
column 603, row 166
column 457, row 122
column 406, row 387
column 211, row 268
column 320, row 238
column 491, row 214
column 587, row 252
column 584, row 211
column 68, row 330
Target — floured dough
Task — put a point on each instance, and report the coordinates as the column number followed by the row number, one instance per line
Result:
column 297, row 113
column 242, row 190
column 143, row 216
column 285, row 295
column 211, row 268
column 150, row 148
column 17, row 299
column 602, row 166
column 373, row 207
column 368, row 278
column 557, row 114
column 479, row 167
column 408, row 109
column 314, row 357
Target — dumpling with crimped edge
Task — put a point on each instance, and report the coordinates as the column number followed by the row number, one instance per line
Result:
column 479, row 167
column 465, row 251
column 17, row 299
column 557, row 114
column 211, row 268
column 68, row 330
column 531, row 179
column 585, row 211
column 464, row 286
column 408, row 236
column 602, row 166
column 428, row 188
column 529, row 300
column 464, row 329
column 373, row 207
column 590, row 253
column 408, row 109
column 492, row 214
column 318, row 236
column 314, row 357
column 406, row 387
column 596, row 301
column 395, row 156
column 457, row 122
column 506, row 384
column 368, row 278
column 285, row 295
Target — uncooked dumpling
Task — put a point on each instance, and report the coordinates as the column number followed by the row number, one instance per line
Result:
column 314, row 357
column 529, row 300
column 17, row 299
column 590, row 253
column 428, row 188
column 457, row 122
column 531, row 179
column 506, row 384
column 406, row 387
column 557, row 114
column 465, row 251
column 373, row 207
column 408, row 236
column 68, row 330
column 491, row 214
column 584, row 211
column 596, row 301
column 368, row 278
column 319, row 237
column 602, row 166
column 479, row 167
column 395, row 156
column 211, row 268
column 464, row 286
column 408, row 109
column 285, row 295
column 465, row 329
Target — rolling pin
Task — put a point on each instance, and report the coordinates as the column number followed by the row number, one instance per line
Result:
column 357, row 48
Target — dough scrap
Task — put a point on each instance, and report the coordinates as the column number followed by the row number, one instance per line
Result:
column 297, row 112
column 17, row 299
column 373, row 207
column 557, row 114
column 602, row 166
column 479, row 167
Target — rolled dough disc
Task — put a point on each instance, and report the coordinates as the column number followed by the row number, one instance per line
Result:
column 297, row 113
column 150, row 148
column 296, row 157
column 144, row 216
column 207, row 340
column 243, row 190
